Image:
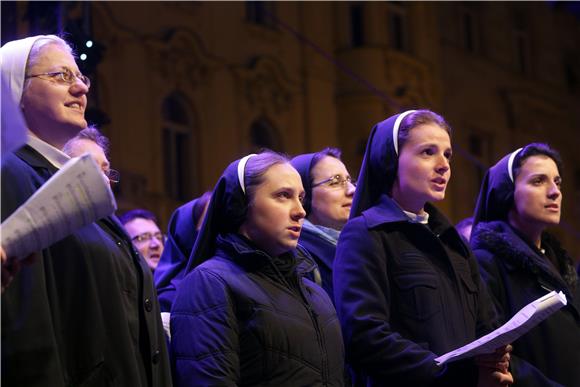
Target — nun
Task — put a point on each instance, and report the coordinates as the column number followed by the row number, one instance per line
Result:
column 182, row 231
column 244, row 313
column 520, row 261
column 85, row 313
column 328, row 200
column 407, row 288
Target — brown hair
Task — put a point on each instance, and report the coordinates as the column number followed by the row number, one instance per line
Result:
column 420, row 117
column 536, row 149
column 257, row 166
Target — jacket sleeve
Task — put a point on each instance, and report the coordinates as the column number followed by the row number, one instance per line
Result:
column 524, row 373
column 204, row 333
column 362, row 297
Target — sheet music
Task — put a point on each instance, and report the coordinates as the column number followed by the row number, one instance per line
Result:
column 74, row 197
column 527, row 318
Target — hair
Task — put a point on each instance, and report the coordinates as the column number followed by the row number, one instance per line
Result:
column 257, row 166
column 332, row 152
column 39, row 45
column 137, row 213
column 420, row 117
column 536, row 149
column 90, row 133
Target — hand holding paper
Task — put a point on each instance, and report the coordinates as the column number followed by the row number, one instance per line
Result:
column 527, row 318
column 75, row 196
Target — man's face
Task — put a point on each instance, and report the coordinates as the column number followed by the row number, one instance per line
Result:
column 148, row 239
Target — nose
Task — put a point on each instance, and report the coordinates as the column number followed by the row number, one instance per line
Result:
column 154, row 243
column 554, row 191
column 79, row 88
column 350, row 188
column 298, row 211
column 443, row 165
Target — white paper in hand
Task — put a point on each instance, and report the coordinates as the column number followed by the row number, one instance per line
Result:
column 74, row 197
column 527, row 318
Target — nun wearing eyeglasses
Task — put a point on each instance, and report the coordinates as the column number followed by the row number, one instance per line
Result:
column 85, row 313
column 406, row 286
column 520, row 261
column 327, row 202
column 244, row 314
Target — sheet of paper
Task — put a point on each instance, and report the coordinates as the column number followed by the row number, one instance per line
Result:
column 527, row 318
column 74, row 197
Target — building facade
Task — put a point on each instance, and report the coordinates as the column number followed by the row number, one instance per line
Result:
column 183, row 88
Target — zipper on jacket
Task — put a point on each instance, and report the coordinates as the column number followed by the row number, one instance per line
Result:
column 313, row 317
column 321, row 343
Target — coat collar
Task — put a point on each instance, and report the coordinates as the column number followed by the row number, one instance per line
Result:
column 502, row 240
column 388, row 211
column 243, row 252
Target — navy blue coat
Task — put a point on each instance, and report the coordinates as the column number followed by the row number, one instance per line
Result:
column 516, row 274
column 243, row 318
column 406, row 293
column 182, row 233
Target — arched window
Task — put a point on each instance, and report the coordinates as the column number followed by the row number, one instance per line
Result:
column 178, row 164
column 264, row 135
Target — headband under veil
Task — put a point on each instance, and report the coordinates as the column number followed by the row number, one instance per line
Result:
column 225, row 213
column 496, row 196
column 303, row 164
column 379, row 167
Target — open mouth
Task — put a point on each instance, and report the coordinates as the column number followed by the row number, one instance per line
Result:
column 75, row 106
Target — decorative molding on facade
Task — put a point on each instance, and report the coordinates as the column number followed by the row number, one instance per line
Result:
column 180, row 57
column 266, row 86
column 528, row 110
column 411, row 81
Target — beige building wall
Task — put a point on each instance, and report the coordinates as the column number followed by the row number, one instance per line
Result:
column 323, row 73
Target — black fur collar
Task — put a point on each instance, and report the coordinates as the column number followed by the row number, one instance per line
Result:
column 500, row 239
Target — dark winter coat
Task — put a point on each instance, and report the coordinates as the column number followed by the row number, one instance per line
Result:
column 406, row 293
column 517, row 273
column 86, row 312
column 181, row 236
column 242, row 318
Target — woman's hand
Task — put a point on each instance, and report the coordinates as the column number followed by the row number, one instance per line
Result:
column 489, row 378
column 498, row 360
column 494, row 368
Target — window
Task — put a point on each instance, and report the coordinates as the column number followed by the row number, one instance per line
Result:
column 469, row 30
column 264, row 135
column 522, row 51
column 522, row 45
column 261, row 12
column 356, row 25
column 480, row 149
column 397, row 27
column 177, row 163
column 571, row 65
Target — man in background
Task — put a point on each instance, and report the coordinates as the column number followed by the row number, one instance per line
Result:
column 141, row 225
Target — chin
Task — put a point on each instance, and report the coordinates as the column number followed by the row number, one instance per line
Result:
column 436, row 197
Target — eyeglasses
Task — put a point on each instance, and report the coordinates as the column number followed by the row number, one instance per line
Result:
column 147, row 236
column 336, row 182
column 113, row 175
column 65, row 76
